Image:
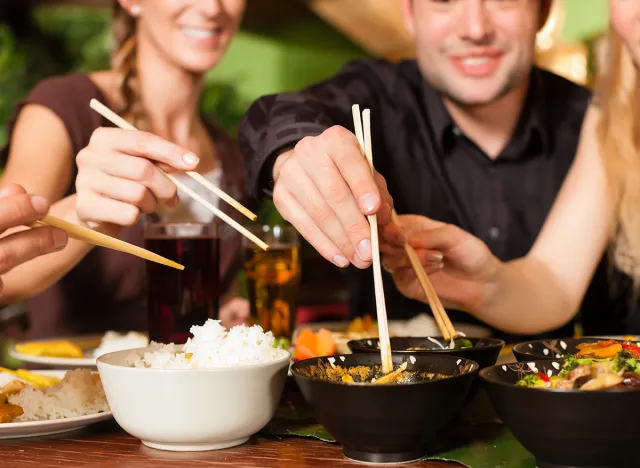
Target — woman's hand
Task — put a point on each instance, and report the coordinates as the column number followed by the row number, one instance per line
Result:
column 460, row 266
column 120, row 176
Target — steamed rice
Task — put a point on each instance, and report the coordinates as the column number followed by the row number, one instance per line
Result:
column 79, row 393
column 114, row 341
column 211, row 347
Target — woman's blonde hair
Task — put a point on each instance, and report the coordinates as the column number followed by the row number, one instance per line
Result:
column 123, row 62
column 618, row 133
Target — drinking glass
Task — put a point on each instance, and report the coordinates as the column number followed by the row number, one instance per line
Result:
column 273, row 279
column 179, row 299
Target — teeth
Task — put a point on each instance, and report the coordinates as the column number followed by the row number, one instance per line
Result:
column 199, row 33
column 475, row 60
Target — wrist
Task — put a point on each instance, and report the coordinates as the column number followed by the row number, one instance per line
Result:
column 492, row 282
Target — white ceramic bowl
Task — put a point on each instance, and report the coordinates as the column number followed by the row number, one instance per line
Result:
column 192, row 409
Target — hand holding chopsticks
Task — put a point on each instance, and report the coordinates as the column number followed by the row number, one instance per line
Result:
column 125, row 185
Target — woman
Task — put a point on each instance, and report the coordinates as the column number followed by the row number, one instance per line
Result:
column 598, row 206
column 163, row 50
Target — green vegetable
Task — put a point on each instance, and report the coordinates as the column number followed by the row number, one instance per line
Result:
column 627, row 364
column 462, row 343
column 531, row 380
column 282, row 342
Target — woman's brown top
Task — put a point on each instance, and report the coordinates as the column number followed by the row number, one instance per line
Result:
column 106, row 290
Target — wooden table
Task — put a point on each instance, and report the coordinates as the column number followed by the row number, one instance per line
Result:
column 106, row 445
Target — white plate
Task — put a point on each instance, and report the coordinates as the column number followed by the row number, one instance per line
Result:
column 88, row 343
column 55, row 426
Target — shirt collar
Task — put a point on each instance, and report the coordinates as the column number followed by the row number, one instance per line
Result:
column 532, row 122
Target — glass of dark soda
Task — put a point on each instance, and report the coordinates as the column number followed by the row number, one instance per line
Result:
column 179, row 299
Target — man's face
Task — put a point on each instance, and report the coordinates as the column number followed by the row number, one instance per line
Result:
column 475, row 51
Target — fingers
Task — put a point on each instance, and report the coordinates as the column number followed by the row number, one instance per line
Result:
column 392, row 235
column 325, row 187
column 94, row 208
column 386, row 207
column 143, row 144
column 20, row 247
column 331, row 205
column 343, row 147
column 393, row 260
column 12, row 189
column 107, row 186
column 293, row 212
column 442, row 238
column 21, row 209
column 92, row 162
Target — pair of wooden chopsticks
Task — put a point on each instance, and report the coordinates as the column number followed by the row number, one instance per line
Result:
column 120, row 122
column 364, row 138
column 442, row 319
column 102, row 240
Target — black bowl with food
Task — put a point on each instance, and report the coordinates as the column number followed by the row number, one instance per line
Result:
column 380, row 422
column 484, row 351
column 571, row 412
column 559, row 348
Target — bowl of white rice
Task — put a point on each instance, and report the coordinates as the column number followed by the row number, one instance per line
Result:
column 213, row 392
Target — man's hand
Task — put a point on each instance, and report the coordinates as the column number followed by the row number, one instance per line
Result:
column 324, row 187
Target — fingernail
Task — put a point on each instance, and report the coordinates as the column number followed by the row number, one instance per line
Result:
column 368, row 203
column 5, row 191
column 364, row 250
column 59, row 238
column 436, row 266
column 436, row 257
column 340, row 261
column 191, row 159
column 39, row 204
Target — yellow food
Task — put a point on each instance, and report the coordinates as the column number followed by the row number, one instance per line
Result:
column 35, row 380
column 59, row 348
column 9, row 412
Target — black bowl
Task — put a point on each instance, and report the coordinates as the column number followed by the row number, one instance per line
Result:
column 485, row 351
column 551, row 349
column 566, row 428
column 389, row 423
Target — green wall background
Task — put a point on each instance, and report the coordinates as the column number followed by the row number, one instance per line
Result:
column 585, row 19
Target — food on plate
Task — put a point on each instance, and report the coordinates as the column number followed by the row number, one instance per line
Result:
column 311, row 344
column 79, row 393
column 598, row 366
column 113, row 341
column 35, row 380
column 212, row 346
column 54, row 348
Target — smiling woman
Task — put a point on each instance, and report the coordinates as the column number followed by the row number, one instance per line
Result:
column 109, row 177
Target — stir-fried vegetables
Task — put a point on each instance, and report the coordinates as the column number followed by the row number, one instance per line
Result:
column 605, row 364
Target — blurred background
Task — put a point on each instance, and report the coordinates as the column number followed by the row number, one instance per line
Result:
column 283, row 45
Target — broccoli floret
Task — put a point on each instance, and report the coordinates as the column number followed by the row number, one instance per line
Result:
column 531, row 380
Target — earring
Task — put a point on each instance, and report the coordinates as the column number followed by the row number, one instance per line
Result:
column 136, row 10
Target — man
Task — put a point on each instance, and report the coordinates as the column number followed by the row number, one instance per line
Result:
column 17, row 209
column 470, row 133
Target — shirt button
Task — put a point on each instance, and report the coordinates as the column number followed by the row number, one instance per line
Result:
column 494, row 233
column 456, row 131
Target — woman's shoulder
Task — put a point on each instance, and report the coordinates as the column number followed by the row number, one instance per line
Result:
column 68, row 97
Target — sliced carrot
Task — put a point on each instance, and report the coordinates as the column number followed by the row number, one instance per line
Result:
column 302, row 352
column 306, row 344
column 325, row 344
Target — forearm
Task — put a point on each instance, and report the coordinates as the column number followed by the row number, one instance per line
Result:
column 37, row 275
column 525, row 297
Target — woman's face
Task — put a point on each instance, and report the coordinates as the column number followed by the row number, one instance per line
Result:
column 193, row 34
column 625, row 21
